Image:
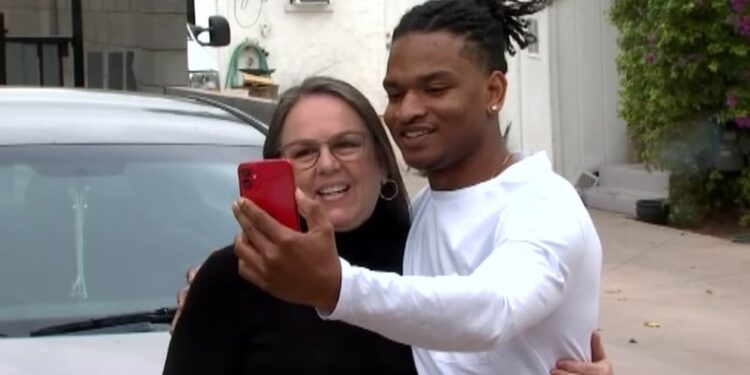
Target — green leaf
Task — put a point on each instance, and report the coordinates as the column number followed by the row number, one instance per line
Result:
column 740, row 50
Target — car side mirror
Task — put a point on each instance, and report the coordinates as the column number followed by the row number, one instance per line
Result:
column 219, row 34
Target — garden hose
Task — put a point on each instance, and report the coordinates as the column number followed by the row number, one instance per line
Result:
column 233, row 68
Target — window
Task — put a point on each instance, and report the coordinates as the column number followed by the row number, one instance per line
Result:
column 309, row 6
column 310, row 2
column 125, row 220
column 533, row 26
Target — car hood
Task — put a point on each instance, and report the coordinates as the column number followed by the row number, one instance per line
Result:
column 131, row 353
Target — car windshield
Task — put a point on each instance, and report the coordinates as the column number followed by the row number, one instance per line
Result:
column 95, row 230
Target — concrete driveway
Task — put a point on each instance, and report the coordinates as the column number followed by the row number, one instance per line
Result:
column 695, row 288
column 693, row 291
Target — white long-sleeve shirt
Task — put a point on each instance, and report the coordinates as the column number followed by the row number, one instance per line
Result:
column 500, row 278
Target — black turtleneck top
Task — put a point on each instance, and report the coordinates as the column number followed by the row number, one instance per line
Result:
column 228, row 326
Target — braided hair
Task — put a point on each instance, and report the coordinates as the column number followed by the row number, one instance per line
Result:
column 490, row 25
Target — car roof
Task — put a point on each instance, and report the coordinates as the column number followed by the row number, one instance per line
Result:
column 85, row 116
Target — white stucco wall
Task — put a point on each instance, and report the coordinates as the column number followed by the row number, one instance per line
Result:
column 346, row 41
column 349, row 41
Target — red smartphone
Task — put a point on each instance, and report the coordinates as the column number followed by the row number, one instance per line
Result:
column 270, row 185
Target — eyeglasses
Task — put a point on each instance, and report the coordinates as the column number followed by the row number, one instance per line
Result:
column 345, row 147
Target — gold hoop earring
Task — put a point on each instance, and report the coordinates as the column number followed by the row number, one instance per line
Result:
column 393, row 187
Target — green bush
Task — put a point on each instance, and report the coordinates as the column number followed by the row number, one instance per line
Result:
column 685, row 78
column 688, row 200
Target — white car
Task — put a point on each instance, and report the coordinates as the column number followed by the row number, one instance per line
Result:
column 106, row 199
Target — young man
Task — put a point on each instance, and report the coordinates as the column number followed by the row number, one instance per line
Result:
column 502, row 263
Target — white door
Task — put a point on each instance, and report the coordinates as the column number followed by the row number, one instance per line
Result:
column 587, row 129
column 527, row 102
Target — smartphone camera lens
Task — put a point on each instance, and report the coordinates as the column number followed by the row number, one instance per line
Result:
column 245, row 172
column 247, row 183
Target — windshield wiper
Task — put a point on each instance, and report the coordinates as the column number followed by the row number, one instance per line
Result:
column 163, row 315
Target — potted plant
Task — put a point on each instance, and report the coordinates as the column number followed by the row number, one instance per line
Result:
column 653, row 211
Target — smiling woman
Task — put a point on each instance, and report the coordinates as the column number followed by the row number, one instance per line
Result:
column 339, row 129
column 322, row 131
column 342, row 158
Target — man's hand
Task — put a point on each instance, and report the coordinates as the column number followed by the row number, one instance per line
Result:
column 601, row 364
column 302, row 268
column 182, row 296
